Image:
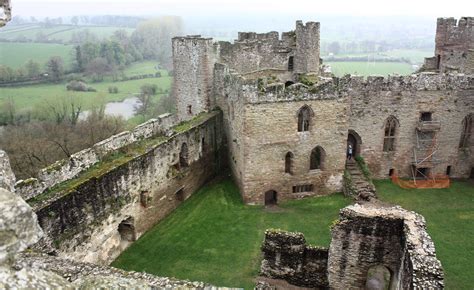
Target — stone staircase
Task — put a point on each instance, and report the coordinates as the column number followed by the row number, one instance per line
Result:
column 361, row 188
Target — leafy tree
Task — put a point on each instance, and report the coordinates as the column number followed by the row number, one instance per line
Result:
column 98, row 68
column 32, row 68
column 55, row 68
column 75, row 20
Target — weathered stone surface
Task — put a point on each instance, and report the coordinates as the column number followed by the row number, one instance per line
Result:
column 7, row 178
column 18, row 226
column 6, row 14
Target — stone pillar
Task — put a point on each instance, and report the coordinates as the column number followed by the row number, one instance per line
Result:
column 307, row 48
column 193, row 61
column 7, row 178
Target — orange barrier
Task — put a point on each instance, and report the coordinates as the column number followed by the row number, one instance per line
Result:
column 439, row 181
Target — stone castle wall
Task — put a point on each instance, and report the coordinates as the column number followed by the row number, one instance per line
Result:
column 307, row 47
column 66, row 169
column 82, row 218
column 7, row 177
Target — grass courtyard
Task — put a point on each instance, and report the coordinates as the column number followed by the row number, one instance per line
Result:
column 214, row 237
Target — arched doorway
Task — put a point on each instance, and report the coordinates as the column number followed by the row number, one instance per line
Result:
column 271, row 197
column 378, row 278
column 355, row 141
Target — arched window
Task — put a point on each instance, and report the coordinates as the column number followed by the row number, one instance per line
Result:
column 183, row 156
column 466, row 132
column 289, row 163
column 391, row 125
column 317, row 158
column 304, row 118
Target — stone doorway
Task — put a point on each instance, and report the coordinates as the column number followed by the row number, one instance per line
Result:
column 126, row 230
column 378, row 278
column 271, row 197
column 355, row 141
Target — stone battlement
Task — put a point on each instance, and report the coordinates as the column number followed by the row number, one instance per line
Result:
column 66, row 169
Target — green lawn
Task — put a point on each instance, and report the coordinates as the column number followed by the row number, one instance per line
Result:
column 30, row 97
column 449, row 215
column 15, row 55
column 214, row 237
column 369, row 68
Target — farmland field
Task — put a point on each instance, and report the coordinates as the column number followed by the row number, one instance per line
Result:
column 16, row 55
column 369, row 68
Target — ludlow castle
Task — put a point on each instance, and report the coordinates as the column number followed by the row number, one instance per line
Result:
column 267, row 108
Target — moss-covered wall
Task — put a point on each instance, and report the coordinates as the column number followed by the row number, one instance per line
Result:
column 81, row 217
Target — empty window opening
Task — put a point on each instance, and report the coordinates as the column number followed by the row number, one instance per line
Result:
column 288, row 83
column 423, row 173
column 183, row 156
column 472, row 173
column 289, row 163
column 203, row 145
column 303, row 188
column 271, row 197
column 391, row 172
column 304, row 118
column 438, row 61
column 144, row 198
column 317, row 158
column 190, row 109
column 466, row 131
column 232, row 113
column 391, row 125
column 290, row 63
column 448, row 170
column 425, row 116
column 126, row 230
column 179, row 195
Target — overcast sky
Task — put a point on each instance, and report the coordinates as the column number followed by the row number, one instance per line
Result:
column 428, row 8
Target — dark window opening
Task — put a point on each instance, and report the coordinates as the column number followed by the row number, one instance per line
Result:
column 271, row 197
column 391, row 125
column 466, row 133
column 179, row 195
column 290, row 63
column 190, row 109
column 425, row 116
column 472, row 173
column 422, row 173
column 448, row 170
column 391, row 172
column 303, row 188
column 304, row 119
column 317, row 158
column 183, row 156
column 203, row 145
column 126, row 230
column 288, row 163
column 438, row 61
column 288, row 83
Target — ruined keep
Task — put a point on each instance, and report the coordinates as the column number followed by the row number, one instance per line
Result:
column 288, row 121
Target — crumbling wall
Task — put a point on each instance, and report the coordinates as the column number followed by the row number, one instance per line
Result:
column 454, row 38
column 286, row 256
column 5, row 12
column 67, row 169
column 141, row 186
column 370, row 235
column 7, row 178
column 307, row 47
column 193, row 63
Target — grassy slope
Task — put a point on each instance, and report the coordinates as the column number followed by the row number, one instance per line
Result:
column 450, row 218
column 15, row 55
column 29, row 97
column 213, row 237
column 371, row 68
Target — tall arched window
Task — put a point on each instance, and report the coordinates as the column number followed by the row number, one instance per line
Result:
column 304, row 118
column 183, row 156
column 289, row 163
column 466, row 132
column 391, row 125
column 317, row 158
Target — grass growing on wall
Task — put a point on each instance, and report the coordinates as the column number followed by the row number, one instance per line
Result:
column 215, row 238
column 449, row 215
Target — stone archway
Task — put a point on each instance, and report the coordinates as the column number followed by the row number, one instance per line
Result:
column 354, row 139
column 378, row 278
column 271, row 197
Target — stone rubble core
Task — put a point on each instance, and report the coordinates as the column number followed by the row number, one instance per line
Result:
column 7, row 177
column 364, row 236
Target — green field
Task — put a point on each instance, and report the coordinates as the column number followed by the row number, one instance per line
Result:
column 36, row 96
column 56, row 32
column 214, row 237
column 449, row 215
column 369, row 68
column 15, row 55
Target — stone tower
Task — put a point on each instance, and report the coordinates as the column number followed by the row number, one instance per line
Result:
column 193, row 60
column 454, row 40
column 307, row 47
